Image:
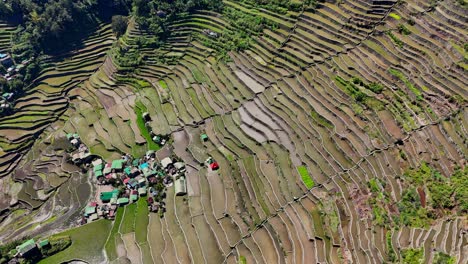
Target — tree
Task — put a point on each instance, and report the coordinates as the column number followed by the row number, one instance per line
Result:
column 119, row 25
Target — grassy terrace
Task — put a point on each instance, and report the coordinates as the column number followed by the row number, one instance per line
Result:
column 87, row 243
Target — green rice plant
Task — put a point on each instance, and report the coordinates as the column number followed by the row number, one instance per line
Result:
column 321, row 120
column 394, row 16
column 110, row 246
column 128, row 221
column 395, row 39
column 408, row 84
column 390, row 251
column 306, row 178
column 141, row 221
column 163, row 84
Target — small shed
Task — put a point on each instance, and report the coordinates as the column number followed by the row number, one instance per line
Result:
column 98, row 174
column 134, row 197
column 150, row 154
column 204, row 137
column 141, row 182
column 180, row 186
column 146, row 116
column 43, row 243
column 122, row 201
column 214, row 165
column 98, row 167
column 107, row 169
column 113, row 200
column 166, row 162
column 117, row 164
column 93, row 217
column 97, row 162
column 89, row 210
column 144, row 166
column 142, row 191
column 147, row 173
column 132, row 183
column 180, row 166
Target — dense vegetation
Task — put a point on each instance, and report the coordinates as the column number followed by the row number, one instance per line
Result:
column 413, row 256
column 282, row 6
column 427, row 196
column 155, row 15
column 50, row 26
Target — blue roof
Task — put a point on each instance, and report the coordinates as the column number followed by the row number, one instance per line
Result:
column 3, row 55
column 144, row 165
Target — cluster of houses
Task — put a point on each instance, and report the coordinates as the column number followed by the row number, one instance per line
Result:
column 12, row 70
column 127, row 179
column 81, row 155
column 6, row 101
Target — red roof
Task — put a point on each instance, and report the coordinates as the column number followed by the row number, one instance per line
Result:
column 214, row 165
column 93, row 204
column 126, row 180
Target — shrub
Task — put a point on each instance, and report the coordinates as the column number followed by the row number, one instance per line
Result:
column 57, row 244
column 442, row 258
column 412, row 256
column 119, row 25
column 403, row 29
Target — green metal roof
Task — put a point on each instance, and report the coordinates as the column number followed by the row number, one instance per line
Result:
column 128, row 170
column 134, row 197
column 90, row 210
column 106, row 196
column 43, row 243
column 98, row 167
column 204, row 136
column 98, row 174
column 122, row 200
column 118, row 164
column 136, row 162
column 142, row 190
column 26, row 246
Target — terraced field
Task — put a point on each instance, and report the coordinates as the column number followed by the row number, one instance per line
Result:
column 299, row 123
column 35, row 176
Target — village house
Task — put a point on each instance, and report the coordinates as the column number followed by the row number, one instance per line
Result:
column 180, row 186
column 166, row 162
column 5, row 60
column 27, row 249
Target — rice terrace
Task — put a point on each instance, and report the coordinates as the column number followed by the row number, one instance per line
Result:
column 233, row 131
